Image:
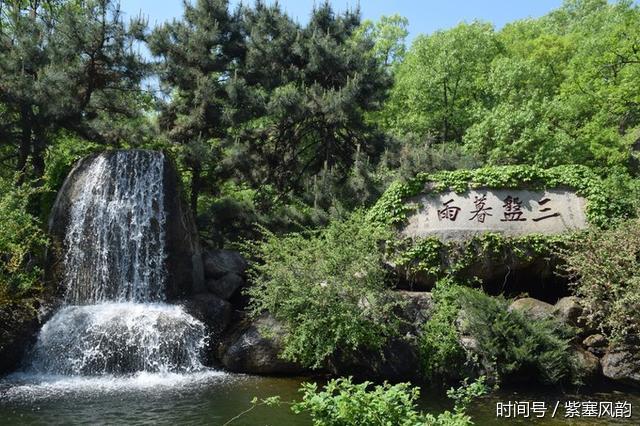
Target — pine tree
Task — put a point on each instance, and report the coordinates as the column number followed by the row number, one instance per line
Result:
column 310, row 87
column 64, row 66
column 195, row 57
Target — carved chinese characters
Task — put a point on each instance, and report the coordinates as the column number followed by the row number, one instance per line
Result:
column 513, row 212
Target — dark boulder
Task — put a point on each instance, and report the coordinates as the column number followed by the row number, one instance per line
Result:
column 596, row 344
column 622, row 364
column 19, row 325
column 218, row 263
column 254, row 347
column 225, row 286
column 586, row 365
column 211, row 310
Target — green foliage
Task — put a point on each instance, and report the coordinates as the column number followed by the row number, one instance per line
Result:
column 236, row 215
column 515, row 346
column 22, row 243
column 508, row 345
column 436, row 260
column 560, row 89
column 464, row 395
column 310, row 117
column 411, row 154
column 604, row 269
column 441, row 354
column 327, row 287
column 439, row 85
column 388, row 35
column 277, row 105
column 341, row 402
column 66, row 66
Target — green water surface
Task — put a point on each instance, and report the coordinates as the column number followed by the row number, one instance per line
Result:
column 214, row 399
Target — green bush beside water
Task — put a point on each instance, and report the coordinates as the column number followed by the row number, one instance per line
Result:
column 508, row 345
column 327, row 287
column 341, row 402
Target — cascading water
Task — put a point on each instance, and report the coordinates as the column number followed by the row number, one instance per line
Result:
column 113, row 321
column 115, row 237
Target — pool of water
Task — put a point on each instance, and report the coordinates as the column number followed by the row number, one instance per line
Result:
column 210, row 397
column 214, row 397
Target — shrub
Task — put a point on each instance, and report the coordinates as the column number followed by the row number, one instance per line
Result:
column 344, row 403
column 440, row 351
column 22, row 242
column 508, row 344
column 518, row 347
column 327, row 287
column 604, row 269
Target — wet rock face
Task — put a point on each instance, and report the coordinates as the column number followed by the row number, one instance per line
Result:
column 183, row 271
column 184, row 261
column 19, row 325
column 225, row 286
column 224, row 273
column 211, row 310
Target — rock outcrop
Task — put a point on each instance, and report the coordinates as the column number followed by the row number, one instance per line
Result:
column 569, row 311
column 254, row 347
column 19, row 325
column 211, row 310
column 224, row 272
column 532, row 308
column 226, row 286
column 622, row 364
column 586, row 365
column 597, row 344
column 218, row 263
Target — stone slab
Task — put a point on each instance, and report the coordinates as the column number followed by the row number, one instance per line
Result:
column 452, row 216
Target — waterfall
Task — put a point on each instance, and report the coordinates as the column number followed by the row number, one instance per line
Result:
column 115, row 238
column 113, row 320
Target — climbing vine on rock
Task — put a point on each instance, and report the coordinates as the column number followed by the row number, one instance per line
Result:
column 608, row 201
column 606, row 198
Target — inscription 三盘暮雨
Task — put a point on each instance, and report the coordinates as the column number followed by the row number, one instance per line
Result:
column 511, row 212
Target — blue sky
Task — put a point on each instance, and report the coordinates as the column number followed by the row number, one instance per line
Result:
column 425, row 16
